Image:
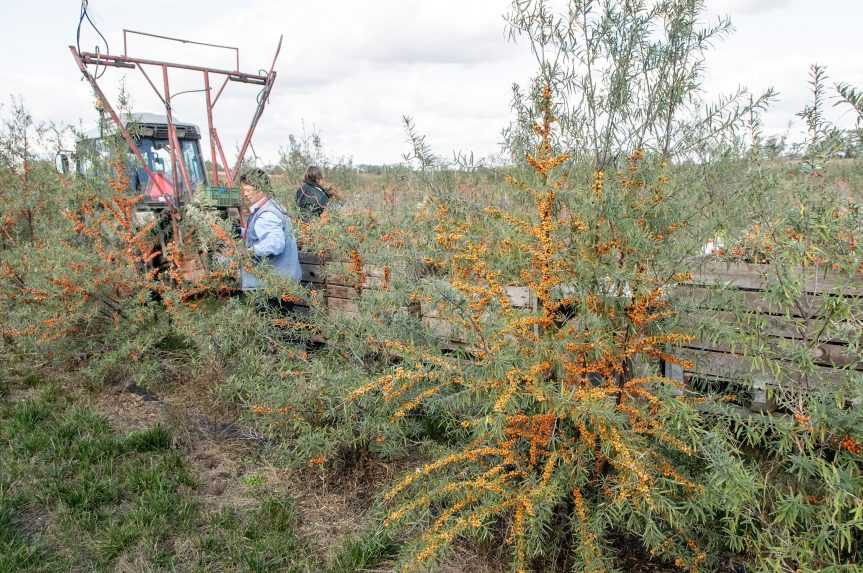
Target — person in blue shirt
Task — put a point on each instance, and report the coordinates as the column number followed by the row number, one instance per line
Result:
column 269, row 234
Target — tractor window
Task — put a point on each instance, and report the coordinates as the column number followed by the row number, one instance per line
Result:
column 192, row 161
column 160, row 158
column 158, row 155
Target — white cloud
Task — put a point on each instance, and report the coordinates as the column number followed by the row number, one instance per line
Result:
column 755, row 6
column 352, row 69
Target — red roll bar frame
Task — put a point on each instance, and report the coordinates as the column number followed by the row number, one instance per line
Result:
column 84, row 59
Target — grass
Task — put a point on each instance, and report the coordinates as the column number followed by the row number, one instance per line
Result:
column 77, row 495
column 364, row 551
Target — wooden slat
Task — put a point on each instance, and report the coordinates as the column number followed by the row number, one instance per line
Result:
column 342, row 308
column 349, row 280
column 345, row 268
column 713, row 297
column 838, row 356
column 341, row 291
column 313, row 273
column 764, row 324
column 760, row 277
column 825, row 354
column 734, row 366
column 308, row 257
column 343, row 305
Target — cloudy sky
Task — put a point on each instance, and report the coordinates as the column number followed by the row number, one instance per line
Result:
column 350, row 69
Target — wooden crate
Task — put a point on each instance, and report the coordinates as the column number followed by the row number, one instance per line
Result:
column 750, row 276
column 733, row 295
column 344, row 289
column 780, row 329
column 339, row 283
column 437, row 321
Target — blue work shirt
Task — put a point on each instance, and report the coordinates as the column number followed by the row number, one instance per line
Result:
column 270, row 237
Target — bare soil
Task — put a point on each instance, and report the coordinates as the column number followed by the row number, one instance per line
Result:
column 227, row 459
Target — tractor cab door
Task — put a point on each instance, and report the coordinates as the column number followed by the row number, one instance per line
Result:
column 160, row 189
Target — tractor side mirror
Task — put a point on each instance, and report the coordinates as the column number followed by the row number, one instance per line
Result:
column 63, row 162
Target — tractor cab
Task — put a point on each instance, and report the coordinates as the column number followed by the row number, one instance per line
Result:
column 150, row 132
column 167, row 168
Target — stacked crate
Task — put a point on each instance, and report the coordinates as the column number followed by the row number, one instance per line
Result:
column 313, row 278
column 339, row 283
column 734, row 295
column 345, row 287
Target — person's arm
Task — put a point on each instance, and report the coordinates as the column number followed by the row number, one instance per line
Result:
column 270, row 230
column 332, row 193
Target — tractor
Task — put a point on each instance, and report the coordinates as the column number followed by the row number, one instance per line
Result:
column 150, row 133
column 165, row 163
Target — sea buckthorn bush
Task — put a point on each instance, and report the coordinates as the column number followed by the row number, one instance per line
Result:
column 564, row 430
column 561, row 437
column 545, row 429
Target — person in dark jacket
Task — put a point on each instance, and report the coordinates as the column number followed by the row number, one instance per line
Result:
column 312, row 198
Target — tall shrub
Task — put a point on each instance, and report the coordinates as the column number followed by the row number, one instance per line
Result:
column 570, row 434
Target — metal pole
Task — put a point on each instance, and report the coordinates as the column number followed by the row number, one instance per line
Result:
column 152, row 85
column 129, row 62
column 265, row 96
column 214, row 165
column 183, row 41
column 176, row 150
column 175, row 213
column 219, row 93
column 116, row 118
column 255, row 118
column 228, row 174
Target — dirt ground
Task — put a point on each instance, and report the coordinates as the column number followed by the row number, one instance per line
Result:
column 229, row 458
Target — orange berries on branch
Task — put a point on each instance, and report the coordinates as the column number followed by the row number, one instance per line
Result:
column 554, row 399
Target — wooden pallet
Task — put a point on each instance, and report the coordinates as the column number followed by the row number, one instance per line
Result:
column 734, row 296
column 436, row 317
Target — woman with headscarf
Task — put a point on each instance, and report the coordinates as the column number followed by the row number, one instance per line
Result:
column 269, row 234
